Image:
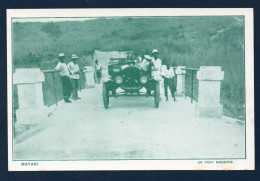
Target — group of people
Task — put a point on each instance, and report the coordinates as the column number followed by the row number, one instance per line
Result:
column 70, row 75
column 154, row 65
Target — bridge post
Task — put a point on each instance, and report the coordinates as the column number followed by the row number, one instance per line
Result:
column 89, row 76
column 30, row 96
column 180, row 80
column 210, row 78
column 104, row 75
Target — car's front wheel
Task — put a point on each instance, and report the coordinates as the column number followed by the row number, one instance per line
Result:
column 105, row 95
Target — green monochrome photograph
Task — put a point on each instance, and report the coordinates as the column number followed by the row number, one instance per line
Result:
column 91, row 88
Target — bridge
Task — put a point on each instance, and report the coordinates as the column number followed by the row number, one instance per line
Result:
column 194, row 127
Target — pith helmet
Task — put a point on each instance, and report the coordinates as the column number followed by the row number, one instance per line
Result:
column 74, row 56
column 155, row 51
column 61, row 55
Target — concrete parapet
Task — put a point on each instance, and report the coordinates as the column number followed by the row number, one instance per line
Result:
column 180, row 80
column 30, row 96
column 89, row 76
column 210, row 78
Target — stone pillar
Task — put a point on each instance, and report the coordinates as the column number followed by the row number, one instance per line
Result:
column 30, row 96
column 105, row 76
column 210, row 78
column 89, row 76
column 180, row 80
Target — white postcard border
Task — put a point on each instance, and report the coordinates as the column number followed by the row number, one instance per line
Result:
column 238, row 164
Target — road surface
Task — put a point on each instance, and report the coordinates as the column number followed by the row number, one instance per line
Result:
column 132, row 129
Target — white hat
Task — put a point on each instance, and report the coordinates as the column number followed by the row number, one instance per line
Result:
column 61, row 55
column 155, row 51
column 74, row 56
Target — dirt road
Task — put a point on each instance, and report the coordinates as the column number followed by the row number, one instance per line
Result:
column 132, row 129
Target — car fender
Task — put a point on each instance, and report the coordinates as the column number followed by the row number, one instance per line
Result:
column 106, row 78
column 157, row 78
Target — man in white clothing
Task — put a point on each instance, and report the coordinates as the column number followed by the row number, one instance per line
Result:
column 65, row 77
column 156, row 63
column 154, row 67
column 74, row 75
column 167, row 73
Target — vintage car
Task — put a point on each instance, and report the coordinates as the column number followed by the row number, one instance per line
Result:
column 126, row 74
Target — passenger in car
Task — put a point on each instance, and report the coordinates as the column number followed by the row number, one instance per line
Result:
column 142, row 60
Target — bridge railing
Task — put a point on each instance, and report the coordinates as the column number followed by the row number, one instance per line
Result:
column 82, row 79
column 191, row 84
column 52, row 86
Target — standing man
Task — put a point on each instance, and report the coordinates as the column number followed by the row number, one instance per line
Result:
column 154, row 66
column 74, row 77
column 156, row 63
column 65, row 77
column 98, row 69
column 168, row 74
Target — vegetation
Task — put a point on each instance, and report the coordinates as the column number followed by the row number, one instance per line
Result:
column 189, row 41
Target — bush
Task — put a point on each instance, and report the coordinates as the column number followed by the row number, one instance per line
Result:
column 52, row 29
column 30, row 60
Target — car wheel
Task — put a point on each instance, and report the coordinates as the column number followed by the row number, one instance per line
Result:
column 157, row 95
column 105, row 95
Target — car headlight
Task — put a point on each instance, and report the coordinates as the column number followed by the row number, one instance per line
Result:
column 143, row 79
column 119, row 79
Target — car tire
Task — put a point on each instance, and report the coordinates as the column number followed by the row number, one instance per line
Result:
column 157, row 95
column 105, row 95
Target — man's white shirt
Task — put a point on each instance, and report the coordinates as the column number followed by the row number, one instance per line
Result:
column 167, row 73
column 73, row 68
column 62, row 67
column 156, row 63
column 156, row 68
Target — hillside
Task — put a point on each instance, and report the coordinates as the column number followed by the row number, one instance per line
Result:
column 189, row 41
